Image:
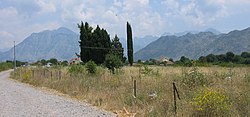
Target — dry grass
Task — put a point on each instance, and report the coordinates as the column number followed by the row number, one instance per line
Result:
column 115, row 92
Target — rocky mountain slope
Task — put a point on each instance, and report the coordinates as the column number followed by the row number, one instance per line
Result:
column 196, row 45
column 61, row 44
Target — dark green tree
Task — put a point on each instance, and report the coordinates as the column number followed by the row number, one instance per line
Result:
column 237, row 59
column 211, row 58
column 203, row 59
column 245, row 55
column 221, row 58
column 185, row 61
column 117, row 49
column 95, row 45
column 130, row 44
column 170, row 59
column 101, row 43
column 230, row 56
column 64, row 63
column 85, row 41
column 54, row 61
column 44, row 62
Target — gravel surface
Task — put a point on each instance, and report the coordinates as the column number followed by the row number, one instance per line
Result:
column 17, row 99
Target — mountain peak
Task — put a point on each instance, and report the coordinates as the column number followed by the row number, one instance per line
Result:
column 212, row 30
column 45, row 45
column 64, row 30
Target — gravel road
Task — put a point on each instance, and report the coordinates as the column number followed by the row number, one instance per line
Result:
column 17, row 99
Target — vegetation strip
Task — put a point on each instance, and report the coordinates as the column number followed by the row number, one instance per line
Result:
column 204, row 91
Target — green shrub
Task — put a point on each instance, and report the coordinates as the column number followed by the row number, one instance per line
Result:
column 76, row 69
column 91, row 67
column 145, row 70
column 210, row 102
column 194, row 78
column 113, row 62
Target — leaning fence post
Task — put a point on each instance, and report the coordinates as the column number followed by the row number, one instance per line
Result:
column 175, row 108
column 175, row 91
column 135, row 88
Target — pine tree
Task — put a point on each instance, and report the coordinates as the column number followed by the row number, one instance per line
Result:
column 117, row 49
column 129, row 44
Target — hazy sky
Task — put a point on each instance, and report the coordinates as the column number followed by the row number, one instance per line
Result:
column 20, row 18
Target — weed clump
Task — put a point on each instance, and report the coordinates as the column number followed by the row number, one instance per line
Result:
column 210, row 102
column 76, row 69
column 194, row 78
column 91, row 67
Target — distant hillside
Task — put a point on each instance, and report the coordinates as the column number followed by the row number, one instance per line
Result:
column 214, row 31
column 138, row 43
column 61, row 44
column 196, row 45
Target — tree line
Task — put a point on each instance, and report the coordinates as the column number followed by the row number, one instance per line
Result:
column 220, row 59
column 96, row 46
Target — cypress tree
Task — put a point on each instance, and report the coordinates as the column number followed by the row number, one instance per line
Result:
column 129, row 44
column 85, row 41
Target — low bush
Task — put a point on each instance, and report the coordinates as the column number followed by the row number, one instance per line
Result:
column 91, row 67
column 194, row 78
column 76, row 69
column 209, row 103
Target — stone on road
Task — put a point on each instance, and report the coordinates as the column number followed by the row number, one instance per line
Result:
column 18, row 99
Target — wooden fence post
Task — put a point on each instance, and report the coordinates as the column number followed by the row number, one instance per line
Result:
column 175, row 91
column 60, row 75
column 51, row 74
column 135, row 88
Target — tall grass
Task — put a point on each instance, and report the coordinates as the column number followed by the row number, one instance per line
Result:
column 226, row 89
column 5, row 66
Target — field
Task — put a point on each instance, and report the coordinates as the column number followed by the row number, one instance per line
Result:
column 203, row 91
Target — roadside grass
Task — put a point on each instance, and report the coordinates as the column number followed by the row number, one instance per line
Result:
column 5, row 66
column 204, row 91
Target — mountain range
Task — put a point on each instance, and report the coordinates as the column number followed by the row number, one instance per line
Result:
column 196, row 45
column 61, row 44
column 212, row 30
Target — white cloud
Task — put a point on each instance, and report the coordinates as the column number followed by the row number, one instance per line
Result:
column 228, row 1
column 46, row 7
column 195, row 12
column 5, row 34
column 8, row 14
column 154, row 17
column 117, row 3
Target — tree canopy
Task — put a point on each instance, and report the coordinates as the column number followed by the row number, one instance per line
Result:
column 96, row 44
